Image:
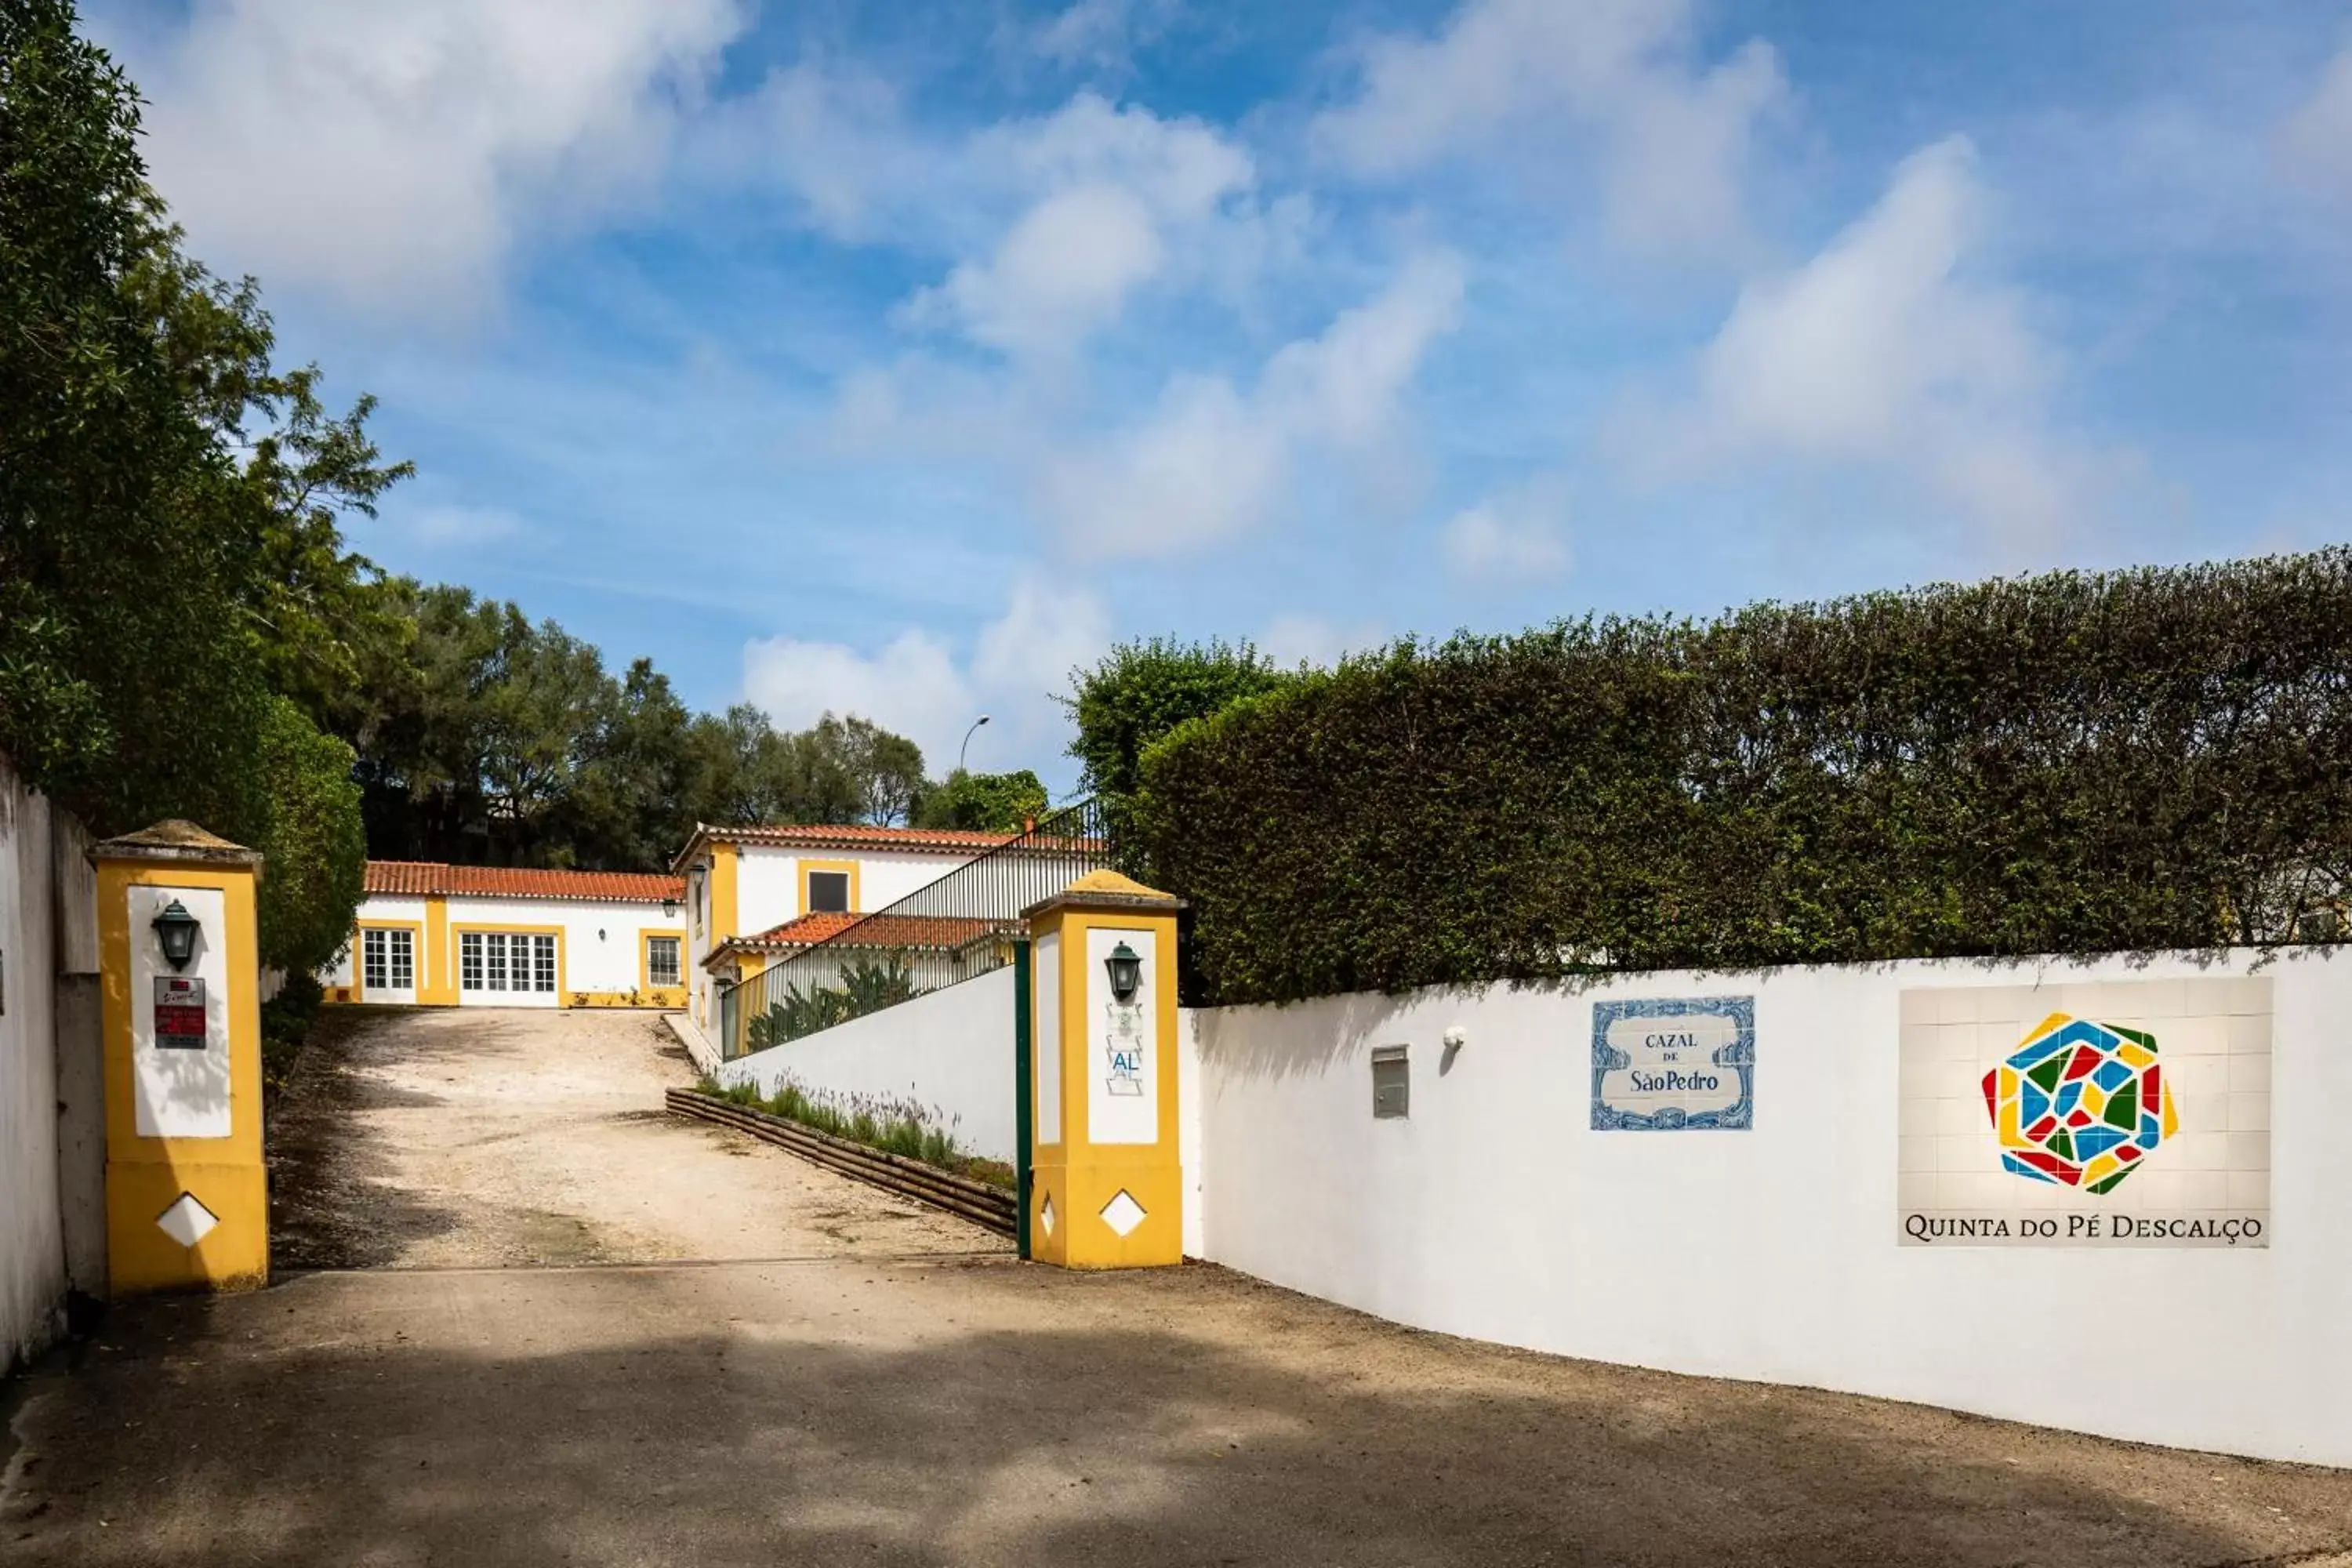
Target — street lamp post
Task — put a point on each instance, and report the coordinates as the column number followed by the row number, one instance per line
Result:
column 976, row 723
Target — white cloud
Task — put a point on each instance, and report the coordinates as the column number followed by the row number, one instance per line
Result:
column 395, row 155
column 2317, row 138
column 1062, row 274
column 1880, row 332
column 1104, row 200
column 1208, row 461
column 1294, row 640
column 916, row 685
column 1673, row 134
column 1515, row 536
column 1101, row 35
column 1891, row 349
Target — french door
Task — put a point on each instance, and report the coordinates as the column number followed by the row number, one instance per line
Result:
column 516, row 968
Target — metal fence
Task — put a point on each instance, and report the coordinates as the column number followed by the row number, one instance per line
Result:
column 954, row 930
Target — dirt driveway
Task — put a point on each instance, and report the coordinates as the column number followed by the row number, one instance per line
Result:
column 488, row 1139
column 742, row 1360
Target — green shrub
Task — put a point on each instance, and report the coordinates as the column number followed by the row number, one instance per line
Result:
column 285, row 1026
column 2066, row 763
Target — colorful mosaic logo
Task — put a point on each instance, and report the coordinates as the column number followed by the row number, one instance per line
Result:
column 2079, row 1103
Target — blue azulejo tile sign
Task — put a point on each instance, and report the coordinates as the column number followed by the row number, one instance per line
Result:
column 1673, row 1064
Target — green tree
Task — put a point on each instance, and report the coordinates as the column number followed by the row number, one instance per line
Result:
column 314, row 847
column 886, row 770
column 984, row 802
column 1140, row 691
column 170, row 556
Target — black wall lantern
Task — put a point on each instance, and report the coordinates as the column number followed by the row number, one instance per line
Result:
column 669, row 909
column 176, row 930
column 1126, row 966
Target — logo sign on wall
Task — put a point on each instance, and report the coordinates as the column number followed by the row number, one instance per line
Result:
column 1674, row 1065
column 2133, row 1114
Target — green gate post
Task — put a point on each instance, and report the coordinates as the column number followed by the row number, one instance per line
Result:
column 1024, row 1071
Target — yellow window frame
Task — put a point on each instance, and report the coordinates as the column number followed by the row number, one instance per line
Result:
column 856, row 903
column 645, row 935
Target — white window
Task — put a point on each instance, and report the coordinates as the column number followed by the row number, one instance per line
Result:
column 661, row 960
column 469, row 960
column 374, row 972
column 542, row 963
column 493, row 967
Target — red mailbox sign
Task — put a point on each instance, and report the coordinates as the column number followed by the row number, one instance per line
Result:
column 179, row 1014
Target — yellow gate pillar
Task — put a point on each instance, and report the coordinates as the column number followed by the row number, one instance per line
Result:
column 187, row 1203
column 1107, row 1187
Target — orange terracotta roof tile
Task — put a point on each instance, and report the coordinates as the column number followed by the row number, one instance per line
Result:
column 433, row 877
column 873, row 930
column 843, row 835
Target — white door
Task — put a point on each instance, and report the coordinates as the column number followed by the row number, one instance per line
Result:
column 507, row 969
column 388, row 966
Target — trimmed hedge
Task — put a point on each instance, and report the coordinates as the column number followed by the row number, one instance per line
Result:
column 2067, row 763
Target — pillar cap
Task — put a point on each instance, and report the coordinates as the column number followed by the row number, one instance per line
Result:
column 178, row 840
column 1107, row 890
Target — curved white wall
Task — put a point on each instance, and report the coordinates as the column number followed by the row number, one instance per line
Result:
column 1495, row 1210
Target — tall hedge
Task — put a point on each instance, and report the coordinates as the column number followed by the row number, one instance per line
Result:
column 2065, row 764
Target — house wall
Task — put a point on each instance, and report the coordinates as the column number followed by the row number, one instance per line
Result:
column 949, row 1052
column 1777, row 1253
column 769, row 880
column 599, row 952
column 765, row 882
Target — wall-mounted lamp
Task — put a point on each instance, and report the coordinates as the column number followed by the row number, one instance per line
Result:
column 175, row 929
column 669, row 909
column 1126, row 967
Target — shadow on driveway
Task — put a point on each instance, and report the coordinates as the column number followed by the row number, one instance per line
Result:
column 848, row 1412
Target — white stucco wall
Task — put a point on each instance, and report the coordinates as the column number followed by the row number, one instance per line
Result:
column 1495, row 1211
column 600, row 940
column 768, row 879
column 950, row 1052
column 32, row 1239
column 598, row 944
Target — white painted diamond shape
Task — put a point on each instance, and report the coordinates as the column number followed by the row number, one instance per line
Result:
column 1045, row 1214
column 187, row 1221
column 1122, row 1214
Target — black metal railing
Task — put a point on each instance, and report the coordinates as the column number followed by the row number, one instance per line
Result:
column 956, row 929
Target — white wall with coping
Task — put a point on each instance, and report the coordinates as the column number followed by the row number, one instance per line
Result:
column 32, row 1236
column 949, row 1051
column 1495, row 1211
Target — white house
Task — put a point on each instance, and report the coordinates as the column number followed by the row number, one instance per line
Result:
column 746, row 881
column 440, row 935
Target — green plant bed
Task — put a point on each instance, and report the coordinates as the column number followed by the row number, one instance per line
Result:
column 894, row 1126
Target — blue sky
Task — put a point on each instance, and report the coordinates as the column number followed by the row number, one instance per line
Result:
column 895, row 357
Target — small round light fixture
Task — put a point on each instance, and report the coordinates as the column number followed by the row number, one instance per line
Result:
column 1126, row 967
column 175, row 930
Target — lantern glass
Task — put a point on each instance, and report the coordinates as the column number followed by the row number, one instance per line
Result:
column 1125, row 968
column 175, row 931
